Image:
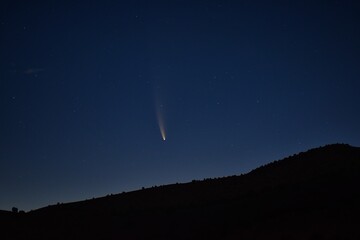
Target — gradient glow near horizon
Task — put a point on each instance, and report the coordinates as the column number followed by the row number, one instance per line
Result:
column 86, row 86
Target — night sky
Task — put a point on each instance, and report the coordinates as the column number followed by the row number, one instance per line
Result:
column 88, row 88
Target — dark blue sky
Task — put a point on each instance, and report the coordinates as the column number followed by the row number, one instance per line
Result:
column 238, row 84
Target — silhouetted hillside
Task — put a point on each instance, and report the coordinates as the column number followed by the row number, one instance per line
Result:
column 310, row 195
column 4, row 215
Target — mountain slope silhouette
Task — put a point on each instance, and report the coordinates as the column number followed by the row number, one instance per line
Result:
column 310, row 195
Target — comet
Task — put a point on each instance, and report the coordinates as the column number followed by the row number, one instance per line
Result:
column 160, row 111
column 160, row 118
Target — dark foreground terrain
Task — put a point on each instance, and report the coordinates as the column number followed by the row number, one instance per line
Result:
column 311, row 195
